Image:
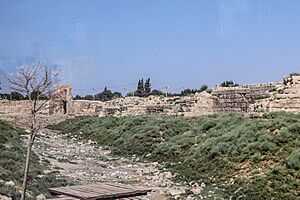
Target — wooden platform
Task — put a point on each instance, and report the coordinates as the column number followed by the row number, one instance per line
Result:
column 101, row 191
column 127, row 198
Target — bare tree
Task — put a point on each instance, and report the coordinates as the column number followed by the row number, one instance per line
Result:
column 35, row 81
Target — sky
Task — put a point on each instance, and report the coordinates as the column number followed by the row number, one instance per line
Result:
column 177, row 43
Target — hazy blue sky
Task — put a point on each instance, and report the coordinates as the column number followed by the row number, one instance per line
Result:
column 179, row 43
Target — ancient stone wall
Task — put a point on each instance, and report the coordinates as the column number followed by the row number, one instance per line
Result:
column 249, row 99
column 239, row 99
column 285, row 98
column 61, row 100
column 21, row 107
column 197, row 104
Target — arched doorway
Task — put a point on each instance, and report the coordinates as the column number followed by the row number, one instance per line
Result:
column 65, row 106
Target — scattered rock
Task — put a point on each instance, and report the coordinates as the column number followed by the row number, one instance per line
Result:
column 2, row 197
column 41, row 197
column 176, row 191
column 10, row 183
column 203, row 185
column 190, row 198
column 159, row 196
column 166, row 175
column 196, row 189
column 87, row 163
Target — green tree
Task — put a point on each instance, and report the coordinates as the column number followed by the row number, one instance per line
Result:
column 193, row 91
column 140, row 89
column 143, row 89
column 107, row 95
column 294, row 74
column 117, row 95
column 77, row 97
column 229, row 84
column 187, row 92
column 130, row 94
column 147, row 87
column 203, row 88
column 157, row 92
column 89, row 97
column 34, row 94
column 16, row 96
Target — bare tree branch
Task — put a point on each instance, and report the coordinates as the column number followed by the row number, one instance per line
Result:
column 35, row 81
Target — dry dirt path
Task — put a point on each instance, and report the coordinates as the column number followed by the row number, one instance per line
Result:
column 87, row 163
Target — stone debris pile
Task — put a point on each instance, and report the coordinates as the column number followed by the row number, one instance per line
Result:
column 87, row 163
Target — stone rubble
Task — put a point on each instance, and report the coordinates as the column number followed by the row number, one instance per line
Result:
column 41, row 197
column 87, row 163
column 2, row 197
column 10, row 183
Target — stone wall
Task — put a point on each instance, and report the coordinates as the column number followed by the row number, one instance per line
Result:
column 20, row 107
column 249, row 99
column 197, row 104
column 61, row 100
column 285, row 98
column 240, row 98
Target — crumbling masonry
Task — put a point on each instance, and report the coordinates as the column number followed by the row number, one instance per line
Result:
column 251, row 99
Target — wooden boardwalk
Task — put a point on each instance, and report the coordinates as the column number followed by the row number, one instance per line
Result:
column 101, row 191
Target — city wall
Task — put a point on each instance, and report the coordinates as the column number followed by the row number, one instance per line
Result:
column 249, row 99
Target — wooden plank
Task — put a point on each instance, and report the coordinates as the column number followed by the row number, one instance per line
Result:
column 68, row 192
column 101, row 191
column 110, row 192
column 63, row 198
column 140, row 189
column 121, row 191
column 111, row 189
column 125, row 186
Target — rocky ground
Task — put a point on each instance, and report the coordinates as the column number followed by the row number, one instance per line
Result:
column 86, row 163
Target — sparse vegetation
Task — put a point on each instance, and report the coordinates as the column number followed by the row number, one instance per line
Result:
column 193, row 91
column 259, row 97
column 105, row 95
column 14, row 96
column 294, row 74
column 12, row 161
column 247, row 158
column 229, row 84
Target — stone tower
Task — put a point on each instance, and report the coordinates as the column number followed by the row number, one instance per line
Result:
column 61, row 100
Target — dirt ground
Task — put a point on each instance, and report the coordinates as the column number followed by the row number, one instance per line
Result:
column 88, row 163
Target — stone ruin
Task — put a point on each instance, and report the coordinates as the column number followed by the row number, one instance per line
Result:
column 61, row 100
column 239, row 99
column 251, row 99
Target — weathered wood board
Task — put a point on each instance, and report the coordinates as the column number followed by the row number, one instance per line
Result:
column 101, row 191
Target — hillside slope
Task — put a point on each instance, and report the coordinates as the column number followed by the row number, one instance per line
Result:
column 238, row 157
column 12, row 159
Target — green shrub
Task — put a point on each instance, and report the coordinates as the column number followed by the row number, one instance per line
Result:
column 9, row 191
column 212, row 149
column 12, row 160
column 293, row 161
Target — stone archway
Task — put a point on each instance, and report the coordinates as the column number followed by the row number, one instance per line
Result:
column 61, row 100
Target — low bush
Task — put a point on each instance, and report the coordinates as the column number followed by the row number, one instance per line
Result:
column 293, row 161
column 12, row 161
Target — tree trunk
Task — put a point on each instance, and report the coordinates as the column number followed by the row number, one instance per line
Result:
column 24, row 187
